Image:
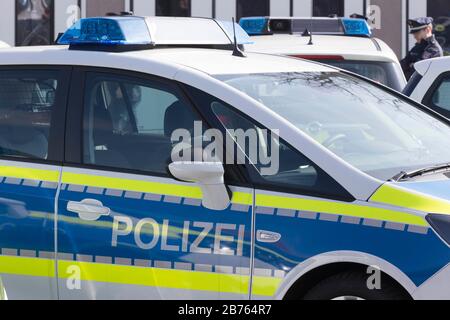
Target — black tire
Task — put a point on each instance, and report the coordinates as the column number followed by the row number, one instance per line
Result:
column 354, row 284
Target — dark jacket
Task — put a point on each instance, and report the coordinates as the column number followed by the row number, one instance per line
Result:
column 426, row 49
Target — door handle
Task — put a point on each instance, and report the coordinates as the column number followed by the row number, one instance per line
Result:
column 267, row 236
column 88, row 209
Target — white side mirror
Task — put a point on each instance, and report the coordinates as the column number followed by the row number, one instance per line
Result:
column 209, row 176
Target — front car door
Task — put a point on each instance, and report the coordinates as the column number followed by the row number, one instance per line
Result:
column 32, row 110
column 126, row 229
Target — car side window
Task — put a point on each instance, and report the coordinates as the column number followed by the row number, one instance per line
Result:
column 278, row 165
column 27, row 99
column 441, row 96
column 128, row 122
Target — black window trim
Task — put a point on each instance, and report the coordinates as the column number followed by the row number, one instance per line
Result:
column 428, row 97
column 74, row 118
column 56, row 141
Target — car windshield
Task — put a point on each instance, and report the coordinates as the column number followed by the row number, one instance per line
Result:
column 387, row 73
column 373, row 130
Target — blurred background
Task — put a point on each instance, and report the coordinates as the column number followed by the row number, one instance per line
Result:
column 37, row 22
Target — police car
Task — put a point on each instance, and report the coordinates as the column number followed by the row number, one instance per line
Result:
column 430, row 84
column 346, row 43
column 150, row 158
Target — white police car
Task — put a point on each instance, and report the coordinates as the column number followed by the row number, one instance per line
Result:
column 430, row 84
column 149, row 158
column 346, row 43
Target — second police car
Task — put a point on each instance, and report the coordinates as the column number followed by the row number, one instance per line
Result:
column 110, row 188
column 346, row 43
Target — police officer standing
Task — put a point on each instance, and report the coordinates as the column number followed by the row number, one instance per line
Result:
column 426, row 47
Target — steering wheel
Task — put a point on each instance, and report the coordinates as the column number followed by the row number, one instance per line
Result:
column 332, row 140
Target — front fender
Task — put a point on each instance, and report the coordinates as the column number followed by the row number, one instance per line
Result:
column 329, row 258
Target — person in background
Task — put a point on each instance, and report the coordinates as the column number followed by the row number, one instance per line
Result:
column 426, row 47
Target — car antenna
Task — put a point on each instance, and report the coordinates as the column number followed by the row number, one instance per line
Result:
column 237, row 52
column 310, row 43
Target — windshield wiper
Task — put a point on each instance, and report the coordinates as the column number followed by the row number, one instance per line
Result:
column 411, row 174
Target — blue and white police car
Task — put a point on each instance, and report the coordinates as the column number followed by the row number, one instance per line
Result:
column 150, row 158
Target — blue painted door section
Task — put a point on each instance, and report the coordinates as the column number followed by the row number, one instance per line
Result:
column 30, row 101
column 126, row 229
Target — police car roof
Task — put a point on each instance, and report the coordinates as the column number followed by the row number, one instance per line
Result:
column 210, row 61
column 351, row 48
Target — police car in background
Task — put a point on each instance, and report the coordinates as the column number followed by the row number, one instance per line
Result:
column 346, row 43
column 430, row 84
column 98, row 201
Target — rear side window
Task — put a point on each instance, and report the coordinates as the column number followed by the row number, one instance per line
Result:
column 128, row 122
column 27, row 99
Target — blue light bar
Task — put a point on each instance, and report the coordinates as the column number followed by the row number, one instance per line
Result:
column 255, row 25
column 108, row 31
column 316, row 25
column 356, row 27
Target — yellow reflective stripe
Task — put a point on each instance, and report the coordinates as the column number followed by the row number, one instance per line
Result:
column 242, row 198
column 167, row 278
column 265, row 286
column 29, row 173
column 339, row 208
column 153, row 277
column 145, row 186
column 397, row 196
column 36, row 267
column 132, row 185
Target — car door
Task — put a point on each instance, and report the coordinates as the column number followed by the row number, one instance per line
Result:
column 290, row 190
column 126, row 228
column 32, row 112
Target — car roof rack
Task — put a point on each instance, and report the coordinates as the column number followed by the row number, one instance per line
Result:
column 317, row 25
column 130, row 33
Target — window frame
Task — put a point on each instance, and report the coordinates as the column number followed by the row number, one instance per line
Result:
column 16, row 24
column 189, row 14
column 341, row 4
column 428, row 97
column 238, row 16
column 75, row 116
column 56, row 141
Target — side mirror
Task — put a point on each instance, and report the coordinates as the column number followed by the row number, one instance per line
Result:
column 209, row 176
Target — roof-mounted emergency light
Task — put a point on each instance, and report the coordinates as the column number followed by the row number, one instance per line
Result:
column 127, row 33
column 316, row 25
column 108, row 32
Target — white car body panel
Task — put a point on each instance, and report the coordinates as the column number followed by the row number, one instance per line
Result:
column 430, row 70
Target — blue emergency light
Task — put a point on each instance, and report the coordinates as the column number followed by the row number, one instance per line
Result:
column 317, row 25
column 106, row 31
column 255, row 25
column 356, row 27
column 128, row 33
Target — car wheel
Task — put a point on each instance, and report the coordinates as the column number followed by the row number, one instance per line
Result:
column 353, row 286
